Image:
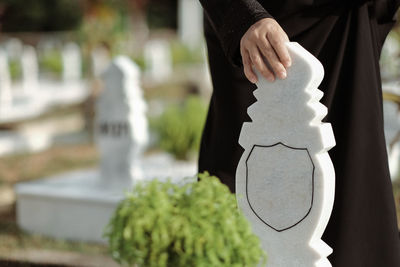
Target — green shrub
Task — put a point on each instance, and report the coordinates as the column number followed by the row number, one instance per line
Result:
column 196, row 224
column 180, row 127
column 182, row 54
column 51, row 62
column 15, row 69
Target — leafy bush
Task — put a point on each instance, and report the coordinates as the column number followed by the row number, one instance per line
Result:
column 15, row 69
column 182, row 54
column 180, row 127
column 51, row 62
column 196, row 224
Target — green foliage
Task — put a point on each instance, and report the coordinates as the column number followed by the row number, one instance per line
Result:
column 180, row 127
column 182, row 54
column 15, row 69
column 196, row 224
column 51, row 62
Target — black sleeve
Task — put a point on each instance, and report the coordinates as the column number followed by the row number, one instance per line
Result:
column 385, row 10
column 230, row 20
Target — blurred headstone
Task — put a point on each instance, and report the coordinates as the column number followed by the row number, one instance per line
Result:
column 158, row 60
column 392, row 135
column 72, row 62
column 30, row 69
column 121, row 125
column 14, row 48
column 285, row 180
column 5, row 84
column 100, row 57
column 190, row 22
column 390, row 59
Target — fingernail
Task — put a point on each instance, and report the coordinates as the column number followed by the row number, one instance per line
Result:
column 282, row 74
column 253, row 79
column 288, row 63
column 271, row 78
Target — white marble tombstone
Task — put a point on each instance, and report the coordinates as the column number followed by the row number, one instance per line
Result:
column 30, row 69
column 190, row 22
column 5, row 84
column 158, row 60
column 14, row 47
column 389, row 60
column 72, row 62
column 121, row 125
column 100, row 58
column 392, row 135
column 285, row 177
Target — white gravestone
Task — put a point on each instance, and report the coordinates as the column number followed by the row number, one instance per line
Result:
column 14, row 48
column 72, row 62
column 121, row 124
column 30, row 69
column 285, row 178
column 5, row 84
column 392, row 135
column 158, row 60
column 389, row 60
column 100, row 58
column 190, row 21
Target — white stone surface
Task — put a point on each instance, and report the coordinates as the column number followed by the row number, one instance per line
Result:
column 5, row 84
column 34, row 136
column 190, row 22
column 389, row 60
column 100, row 58
column 14, row 48
column 285, row 179
column 158, row 60
column 30, row 69
column 392, row 135
column 72, row 62
column 121, row 124
column 77, row 205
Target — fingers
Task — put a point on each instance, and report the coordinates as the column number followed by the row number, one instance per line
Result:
column 272, row 58
column 248, row 71
column 263, row 47
column 259, row 63
column 280, row 48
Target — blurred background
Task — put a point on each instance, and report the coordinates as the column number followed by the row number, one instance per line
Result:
column 54, row 65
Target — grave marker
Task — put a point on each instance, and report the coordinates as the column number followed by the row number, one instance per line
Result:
column 158, row 60
column 285, row 179
column 72, row 62
column 121, row 124
column 190, row 21
column 5, row 84
column 30, row 69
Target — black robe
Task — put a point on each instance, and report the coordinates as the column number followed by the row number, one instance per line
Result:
column 347, row 37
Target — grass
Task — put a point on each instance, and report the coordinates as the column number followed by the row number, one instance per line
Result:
column 11, row 238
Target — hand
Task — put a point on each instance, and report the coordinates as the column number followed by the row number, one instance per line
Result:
column 265, row 38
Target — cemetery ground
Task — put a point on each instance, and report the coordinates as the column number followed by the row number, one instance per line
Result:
column 18, row 246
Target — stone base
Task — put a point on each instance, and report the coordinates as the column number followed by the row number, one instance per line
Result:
column 76, row 205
